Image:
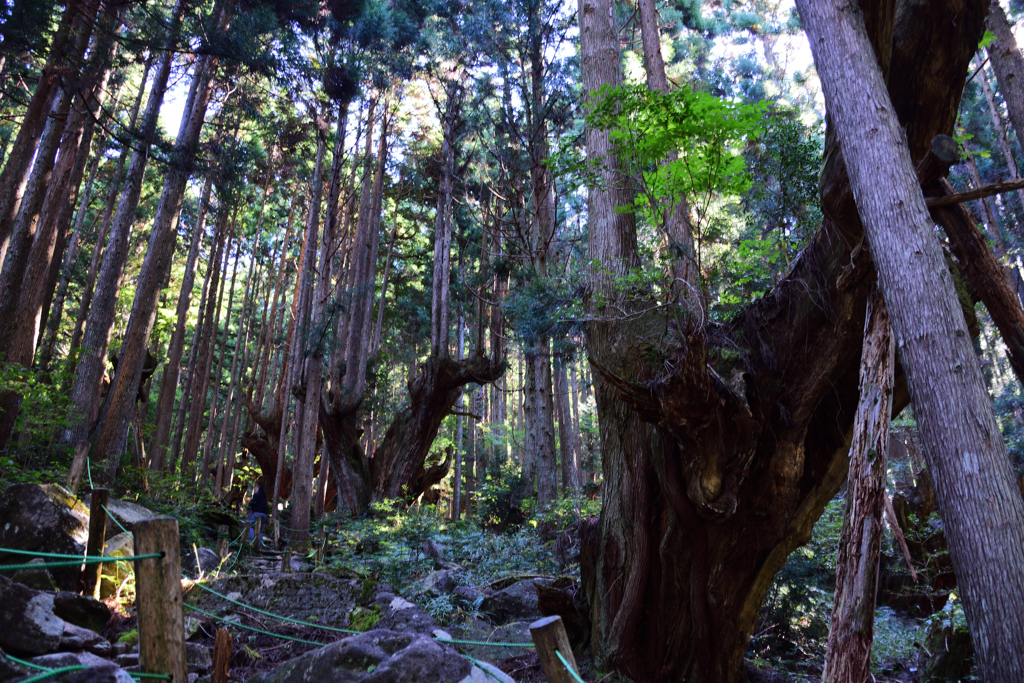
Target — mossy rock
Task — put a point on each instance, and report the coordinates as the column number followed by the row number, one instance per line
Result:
column 129, row 637
column 363, row 618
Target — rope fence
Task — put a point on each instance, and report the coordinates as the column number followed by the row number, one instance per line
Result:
column 67, row 669
column 73, row 561
column 572, row 672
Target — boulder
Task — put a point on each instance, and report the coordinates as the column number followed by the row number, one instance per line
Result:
column 45, row 519
column 114, row 573
column 517, row 602
column 398, row 614
column 482, row 672
column 437, row 583
column 81, row 610
column 99, row 671
column 208, row 562
column 377, row 656
column 37, row 579
column 198, row 658
column 38, row 630
column 480, row 630
column 467, row 596
column 123, row 512
column 76, row 639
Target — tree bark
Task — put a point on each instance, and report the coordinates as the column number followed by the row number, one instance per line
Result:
column 93, row 359
column 159, row 255
column 172, row 368
column 851, row 629
column 1008, row 65
column 999, row 127
column 982, row 509
column 215, row 380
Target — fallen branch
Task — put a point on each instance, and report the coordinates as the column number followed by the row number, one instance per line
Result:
column 980, row 193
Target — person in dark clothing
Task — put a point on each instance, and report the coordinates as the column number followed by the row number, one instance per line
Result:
column 258, row 509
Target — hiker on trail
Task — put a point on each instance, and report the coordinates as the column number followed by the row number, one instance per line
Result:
column 258, row 509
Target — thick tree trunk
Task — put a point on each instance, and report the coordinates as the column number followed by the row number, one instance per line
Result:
column 851, row 629
column 701, row 508
column 93, row 360
column 169, row 384
column 567, row 438
column 159, row 255
column 982, row 510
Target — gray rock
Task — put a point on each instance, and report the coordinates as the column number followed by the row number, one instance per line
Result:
column 9, row 670
column 128, row 659
column 45, row 519
column 375, row 657
column 99, row 671
column 486, row 673
column 208, row 563
column 517, row 602
column 438, row 583
column 398, row 614
column 481, row 631
column 37, row 579
column 123, row 511
column 198, row 658
column 38, row 630
column 81, row 610
column 468, row 596
column 76, row 638
column 114, row 573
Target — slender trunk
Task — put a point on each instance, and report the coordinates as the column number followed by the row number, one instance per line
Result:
column 172, row 368
column 219, row 372
column 686, row 277
column 204, row 356
column 999, row 127
column 93, row 360
column 159, row 256
column 981, row 508
column 457, row 495
column 538, row 364
column 1008, row 66
column 990, row 223
column 307, row 348
column 243, row 322
column 440, row 300
column 566, row 437
column 851, row 629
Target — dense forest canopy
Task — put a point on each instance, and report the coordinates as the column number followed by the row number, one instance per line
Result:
column 654, row 276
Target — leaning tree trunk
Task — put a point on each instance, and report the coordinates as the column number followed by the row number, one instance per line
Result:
column 851, row 629
column 982, row 510
column 93, row 361
column 159, row 255
column 716, row 465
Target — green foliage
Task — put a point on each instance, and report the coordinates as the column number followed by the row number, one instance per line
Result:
column 501, row 500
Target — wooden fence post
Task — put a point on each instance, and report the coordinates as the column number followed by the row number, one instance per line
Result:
column 222, row 541
column 91, row 573
column 158, row 599
column 286, row 561
column 78, row 467
column 221, row 657
column 549, row 635
column 259, row 533
column 245, row 535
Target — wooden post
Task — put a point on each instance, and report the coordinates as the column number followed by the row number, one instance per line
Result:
column 549, row 635
column 245, row 535
column 259, row 533
column 286, row 561
column 78, row 467
column 90, row 579
column 222, row 541
column 221, row 657
column 158, row 599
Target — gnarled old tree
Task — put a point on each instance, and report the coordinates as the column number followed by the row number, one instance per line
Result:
column 396, row 466
column 716, row 466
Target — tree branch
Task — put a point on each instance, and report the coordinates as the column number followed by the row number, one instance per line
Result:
column 980, row 193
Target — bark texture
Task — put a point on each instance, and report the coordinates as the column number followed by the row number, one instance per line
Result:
column 851, row 629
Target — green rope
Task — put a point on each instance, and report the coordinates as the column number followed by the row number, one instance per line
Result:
column 278, row 616
column 569, row 668
column 478, row 642
column 88, row 469
column 28, row 664
column 109, row 514
column 50, row 673
column 133, row 674
column 77, row 562
column 139, row 674
column 480, row 665
column 253, row 628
